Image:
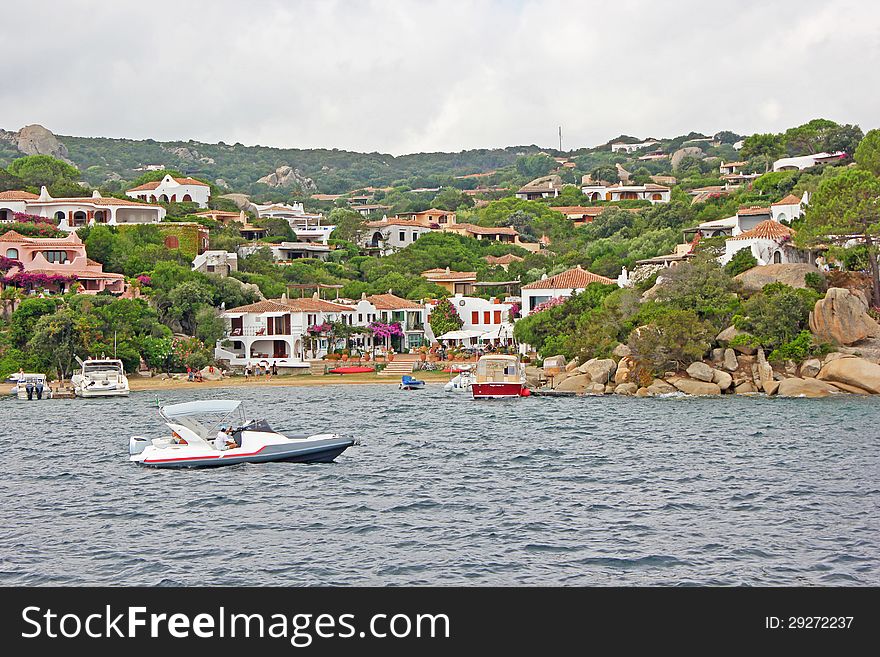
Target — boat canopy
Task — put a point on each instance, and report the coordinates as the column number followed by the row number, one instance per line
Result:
column 204, row 407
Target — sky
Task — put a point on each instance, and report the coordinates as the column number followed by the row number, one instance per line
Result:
column 405, row 76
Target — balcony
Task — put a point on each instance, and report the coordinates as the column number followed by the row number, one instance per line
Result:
column 253, row 331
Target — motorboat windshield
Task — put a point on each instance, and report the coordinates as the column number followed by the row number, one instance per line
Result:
column 92, row 366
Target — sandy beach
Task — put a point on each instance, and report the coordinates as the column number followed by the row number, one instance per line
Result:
column 137, row 383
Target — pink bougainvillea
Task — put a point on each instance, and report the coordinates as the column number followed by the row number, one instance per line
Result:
column 317, row 329
column 143, row 279
column 550, row 303
column 37, row 280
column 383, row 330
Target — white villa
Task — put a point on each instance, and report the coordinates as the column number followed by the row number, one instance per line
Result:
column 216, row 262
column 287, row 251
column 727, row 168
column 277, row 331
column 392, row 234
column 306, row 226
column 389, row 308
column 745, row 219
column 173, row 190
column 479, row 316
column 562, row 285
column 769, row 242
column 806, row 161
column 650, row 192
column 789, row 208
column 620, row 147
column 72, row 213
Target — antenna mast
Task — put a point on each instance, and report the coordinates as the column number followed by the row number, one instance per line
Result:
column 560, row 138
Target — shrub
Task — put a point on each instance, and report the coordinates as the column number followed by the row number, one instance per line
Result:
column 742, row 260
column 816, row 281
column 800, row 348
column 777, row 314
column 675, row 338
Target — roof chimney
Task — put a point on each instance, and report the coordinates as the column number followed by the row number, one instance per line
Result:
column 315, row 296
column 96, row 194
column 284, row 296
column 44, row 194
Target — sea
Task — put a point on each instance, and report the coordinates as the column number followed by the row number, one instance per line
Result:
column 445, row 490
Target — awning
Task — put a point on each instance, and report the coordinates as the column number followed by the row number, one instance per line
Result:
column 500, row 332
column 205, row 407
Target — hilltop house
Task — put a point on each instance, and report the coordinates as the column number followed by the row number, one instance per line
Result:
column 456, row 282
column 597, row 191
column 288, row 251
column 216, row 262
column 620, row 147
column 807, row 161
column 223, row 217
column 769, row 242
column 502, row 261
column 391, row 234
column 278, row 330
column 72, row 213
column 560, row 286
column 431, row 217
column 306, row 226
column 547, row 187
column 745, row 219
column 64, row 256
column 730, row 167
column 173, row 190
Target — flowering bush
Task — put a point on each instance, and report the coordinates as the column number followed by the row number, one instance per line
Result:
column 318, row 329
column 550, row 303
column 33, row 229
column 24, row 218
column 8, row 263
column 36, row 280
column 383, row 330
column 144, row 280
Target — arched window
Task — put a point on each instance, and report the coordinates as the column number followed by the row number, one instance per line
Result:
column 59, row 216
column 12, row 253
column 187, row 198
column 657, row 197
column 163, row 198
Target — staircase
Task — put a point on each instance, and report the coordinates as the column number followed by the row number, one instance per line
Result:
column 398, row 368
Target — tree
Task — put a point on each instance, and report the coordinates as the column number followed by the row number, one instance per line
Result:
column 703, row 287
column 444, row 318
column 209, row 326
column 844, row 208
column 777, row 314
column 676, row 337
column 39, row 170
column 809, row 137
column 186, row 300
column 727, row 137
column 844, row 138
column 867, row 155
column 58, row 337
column 535, row 166
column 766, row 145
column 8, row 181
column 742, row 260
column 349, row 224
column 606, row 172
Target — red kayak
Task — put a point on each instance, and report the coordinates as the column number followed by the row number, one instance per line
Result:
column 354, row 369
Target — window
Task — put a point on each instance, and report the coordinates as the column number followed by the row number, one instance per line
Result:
column 360, row 318
column 402, row 236
column 12, row 253
column 497, row 316
column 487, row 317
column 210, row 269
column 56, row 256
column 475, row 317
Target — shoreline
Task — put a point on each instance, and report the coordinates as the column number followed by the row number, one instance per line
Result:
column 139, row 384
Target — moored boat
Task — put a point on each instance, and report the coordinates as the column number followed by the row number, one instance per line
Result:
column 407, row 382
column 100, row 377
column 195, row 444
column 461, row 382
column 499, row 376
column 351, row 369
column 31, row 385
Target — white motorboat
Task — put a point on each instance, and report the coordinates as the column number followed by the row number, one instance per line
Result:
column 193, row 442
column 100, row 377
column 30, row 385
column 461, row 382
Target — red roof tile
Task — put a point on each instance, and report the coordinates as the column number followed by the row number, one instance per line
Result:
column 573, row 279
column 791, row 199
column 752, row 211
column 767, row 230
column 392, row 302
column 17, row 195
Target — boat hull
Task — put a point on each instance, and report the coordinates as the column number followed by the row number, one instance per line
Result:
column 324, row 451
column 86, row 393
column 496, row 390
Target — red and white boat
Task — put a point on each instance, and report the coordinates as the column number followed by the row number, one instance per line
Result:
column 499, row 377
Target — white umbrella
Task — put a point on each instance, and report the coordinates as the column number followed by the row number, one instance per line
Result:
column 460, row 335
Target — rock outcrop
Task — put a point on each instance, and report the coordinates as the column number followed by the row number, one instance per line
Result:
column 810, row 368
column 37, row 140
column 286, row 176
column 660, row 387
column 687, row 151
column 722, row 379
column 795, row 387
column 842, row 317
column 577, row 383
column 601, row 370
column 730, row 361
column 856, row 372
column 700, row 371
column 627, row 389
column 754, row 279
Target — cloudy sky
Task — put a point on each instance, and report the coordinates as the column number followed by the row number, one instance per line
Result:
column 404, row 76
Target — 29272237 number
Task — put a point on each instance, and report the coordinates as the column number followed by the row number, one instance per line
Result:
column 809, row 622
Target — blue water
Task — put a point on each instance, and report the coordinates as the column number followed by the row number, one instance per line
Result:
column 445, row 490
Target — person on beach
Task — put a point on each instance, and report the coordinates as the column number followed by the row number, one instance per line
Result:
column 247, row 372
column 189, row 373
column 274, row 368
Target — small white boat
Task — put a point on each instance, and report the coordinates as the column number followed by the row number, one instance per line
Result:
column 461, row 382
column 100, row 377
column 193, row 444
column 31, row 385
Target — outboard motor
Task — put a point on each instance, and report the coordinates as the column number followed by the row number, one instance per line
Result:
column 137, row 444
column 29, row 388
column 39, row 390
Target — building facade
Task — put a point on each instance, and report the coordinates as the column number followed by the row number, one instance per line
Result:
column 562, row 285
column 173, row 190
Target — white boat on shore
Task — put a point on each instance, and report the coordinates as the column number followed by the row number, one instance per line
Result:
column 194, row 444
column 100, row 377
column 30, row 385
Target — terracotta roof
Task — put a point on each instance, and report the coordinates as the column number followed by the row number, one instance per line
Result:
column 486, row 230
column 14, row 236
column 791, row 199
column 17, row 195
column 588, row 210
column 752, row 211
column 767, row 230
column 306, row 304
column 392, row 302
column 573, row 279
column 154, row 184
column 446, row 275
column 503, row 260
column 733, row 164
